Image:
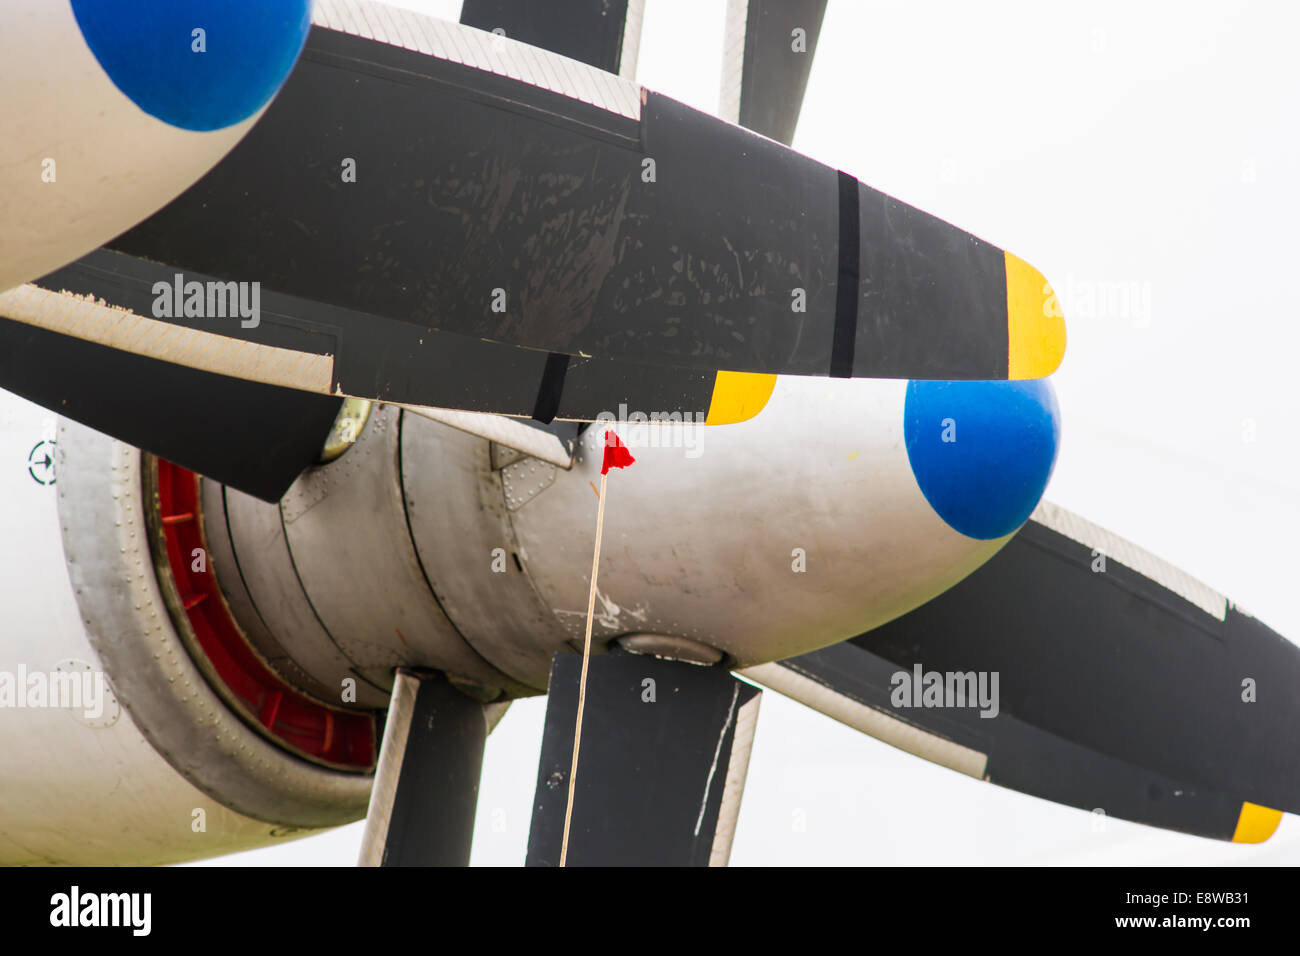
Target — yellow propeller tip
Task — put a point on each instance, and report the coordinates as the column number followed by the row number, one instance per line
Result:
column 1035, row 322
column 1256, row 824
column 738, row 396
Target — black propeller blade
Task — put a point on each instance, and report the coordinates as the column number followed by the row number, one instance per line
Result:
column 767, row 58
column 1123, row 685
column 662, row 765
column 74, row 338
column 511, row 195
column 425, row 794
column 255, row 437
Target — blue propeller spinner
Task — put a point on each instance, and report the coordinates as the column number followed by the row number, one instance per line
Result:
column 202, row 65
column 982, row 452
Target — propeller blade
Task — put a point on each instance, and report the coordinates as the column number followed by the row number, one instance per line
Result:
column 254, row 437
column 254, row 414
column 1123, row 685
column 605, row 34
column 661, row 766
column 425, row 793
column 508, row 194
column 242, row 410
column 768, row 51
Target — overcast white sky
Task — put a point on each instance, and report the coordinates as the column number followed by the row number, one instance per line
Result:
column 1150, row 147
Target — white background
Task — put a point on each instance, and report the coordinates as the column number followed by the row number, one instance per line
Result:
column 1109, row 144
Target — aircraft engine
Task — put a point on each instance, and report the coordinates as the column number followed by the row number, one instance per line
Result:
column 248, row 649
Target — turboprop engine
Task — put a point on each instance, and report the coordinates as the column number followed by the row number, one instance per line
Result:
column 248, row 649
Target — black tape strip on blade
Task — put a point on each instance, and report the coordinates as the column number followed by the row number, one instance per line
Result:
column 846, row 299
column 551, row 388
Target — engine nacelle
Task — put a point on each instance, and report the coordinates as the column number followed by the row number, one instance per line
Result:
column 835, row 510
column 250, row 648
column 162, row 767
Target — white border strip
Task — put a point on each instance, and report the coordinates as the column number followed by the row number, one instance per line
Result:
column 870, row 721
column 631, row 52
column 733, row 788
column 504, row 431
column 397, row 729
column 733, row 60
column 93, row 321
column 481, row 50
column 1131, row 556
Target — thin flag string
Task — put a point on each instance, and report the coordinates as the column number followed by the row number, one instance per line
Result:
column 616, row 456
column 582, row 684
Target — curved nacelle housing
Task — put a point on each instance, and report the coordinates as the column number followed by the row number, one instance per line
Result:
column 151, row 764
column 427, row 546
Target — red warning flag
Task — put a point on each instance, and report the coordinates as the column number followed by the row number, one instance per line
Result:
column 616, row 453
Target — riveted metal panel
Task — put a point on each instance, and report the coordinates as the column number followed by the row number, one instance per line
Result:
column 216, row 529
column 458, row 521
column 266, row 567
column 347, row 529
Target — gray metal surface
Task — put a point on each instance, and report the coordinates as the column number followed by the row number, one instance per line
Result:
column 221, row 558
column 266, row 567
column 347, row 531
column 483, row 573
column 458, row 520
column 700, row 544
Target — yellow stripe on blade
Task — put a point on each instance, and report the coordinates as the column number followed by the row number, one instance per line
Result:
column 1256, row 824
column 738, row 396
column 1035, row 322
